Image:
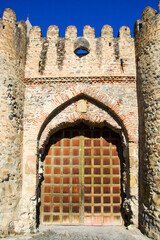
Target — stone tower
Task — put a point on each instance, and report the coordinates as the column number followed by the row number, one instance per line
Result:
column 147, row 45
column 12, row 62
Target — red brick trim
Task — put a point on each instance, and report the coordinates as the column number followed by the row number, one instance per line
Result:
column 90, row 80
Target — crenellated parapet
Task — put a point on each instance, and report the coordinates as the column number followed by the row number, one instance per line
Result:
column 106, row 55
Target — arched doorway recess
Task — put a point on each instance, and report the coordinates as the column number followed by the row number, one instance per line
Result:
column 82, row 178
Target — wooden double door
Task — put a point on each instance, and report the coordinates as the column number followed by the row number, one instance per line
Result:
column 82, row 178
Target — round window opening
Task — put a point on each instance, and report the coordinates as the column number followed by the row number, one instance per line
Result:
column 81, row 47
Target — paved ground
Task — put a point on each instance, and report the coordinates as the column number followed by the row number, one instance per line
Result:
column 82, row 233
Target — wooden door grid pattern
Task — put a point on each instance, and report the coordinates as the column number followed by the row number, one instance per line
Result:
column 82, row 178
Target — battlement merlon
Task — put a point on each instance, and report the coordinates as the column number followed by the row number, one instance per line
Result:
column 147, row 29
column 13, row 36
column 53, row 32
column 35, row 33
column 9, row 15
column 9, row 19
column 71, row 32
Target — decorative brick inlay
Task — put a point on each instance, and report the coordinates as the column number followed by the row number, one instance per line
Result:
column 96, row 79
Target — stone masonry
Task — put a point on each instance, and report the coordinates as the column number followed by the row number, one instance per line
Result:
column 147, row 42
column 46, row 86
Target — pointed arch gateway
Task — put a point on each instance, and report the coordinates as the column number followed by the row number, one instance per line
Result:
column 82, row 162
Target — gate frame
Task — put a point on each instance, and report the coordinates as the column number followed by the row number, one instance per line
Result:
column 44, row 125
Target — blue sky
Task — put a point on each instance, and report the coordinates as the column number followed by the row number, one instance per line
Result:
column 95, row 13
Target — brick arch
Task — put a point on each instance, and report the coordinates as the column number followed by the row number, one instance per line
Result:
column 75, row 93
column 59, row 101
column 70, row 120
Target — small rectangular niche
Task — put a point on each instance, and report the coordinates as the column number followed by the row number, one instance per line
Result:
column 82, row 106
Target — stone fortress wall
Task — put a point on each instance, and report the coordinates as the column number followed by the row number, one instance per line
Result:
column 43, row 80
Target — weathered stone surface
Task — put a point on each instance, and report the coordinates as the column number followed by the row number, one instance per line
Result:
column 12, row 62
column 147, row 42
